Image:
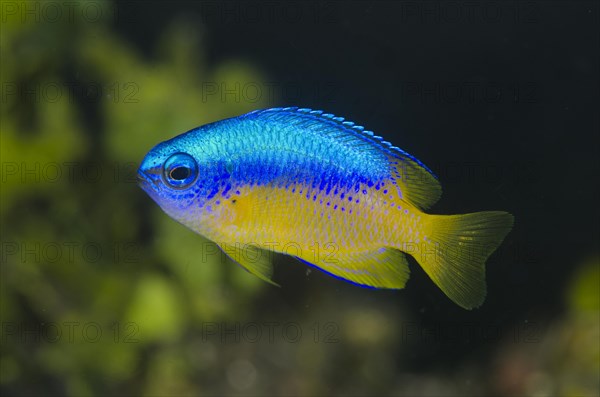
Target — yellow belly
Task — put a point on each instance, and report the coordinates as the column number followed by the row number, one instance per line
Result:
column 309, row 224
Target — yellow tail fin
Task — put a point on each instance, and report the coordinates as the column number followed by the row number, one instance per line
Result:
column 455, row 251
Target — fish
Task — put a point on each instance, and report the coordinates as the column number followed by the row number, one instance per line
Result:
column 326, row 191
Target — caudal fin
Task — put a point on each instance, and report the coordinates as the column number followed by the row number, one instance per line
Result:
column 456, row 249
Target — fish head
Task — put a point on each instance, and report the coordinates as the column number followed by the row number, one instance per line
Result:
column 180, row 176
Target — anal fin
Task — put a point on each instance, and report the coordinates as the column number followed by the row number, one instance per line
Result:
column 380, row 268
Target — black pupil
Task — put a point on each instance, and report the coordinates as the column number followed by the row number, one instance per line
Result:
column 180, row 173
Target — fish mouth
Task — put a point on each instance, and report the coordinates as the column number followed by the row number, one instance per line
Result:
column 144, row 180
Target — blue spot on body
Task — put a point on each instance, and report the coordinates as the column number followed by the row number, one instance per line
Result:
column 212, row 193
column 227, row 188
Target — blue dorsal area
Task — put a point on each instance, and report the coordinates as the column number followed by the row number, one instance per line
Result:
column 350, row 127
column 352, row 146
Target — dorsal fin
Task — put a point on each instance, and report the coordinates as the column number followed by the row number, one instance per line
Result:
column 417, row 184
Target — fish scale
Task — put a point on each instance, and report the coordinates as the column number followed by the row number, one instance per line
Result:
column 342, row 222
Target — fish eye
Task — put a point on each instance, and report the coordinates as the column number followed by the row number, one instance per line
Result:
column 180, row 173
column 180, row 170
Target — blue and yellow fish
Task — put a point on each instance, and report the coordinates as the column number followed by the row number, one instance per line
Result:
column 309, row 184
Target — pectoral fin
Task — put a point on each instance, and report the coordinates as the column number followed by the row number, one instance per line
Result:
column 255, row 260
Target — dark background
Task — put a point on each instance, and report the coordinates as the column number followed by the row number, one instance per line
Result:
column 499, row 99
